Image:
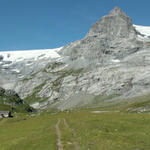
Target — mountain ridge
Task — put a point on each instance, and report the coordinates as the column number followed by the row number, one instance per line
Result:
column 107, row 66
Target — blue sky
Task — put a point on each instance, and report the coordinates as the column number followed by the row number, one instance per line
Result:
column 38, row 24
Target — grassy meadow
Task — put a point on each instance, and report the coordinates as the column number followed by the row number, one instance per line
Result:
column 79, row 130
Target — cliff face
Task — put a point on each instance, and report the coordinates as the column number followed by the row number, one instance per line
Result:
column 108, row 66
column 116, row 24
column 113, row 37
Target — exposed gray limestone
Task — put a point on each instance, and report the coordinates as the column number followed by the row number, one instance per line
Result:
column 116, row 24
column 109, row 65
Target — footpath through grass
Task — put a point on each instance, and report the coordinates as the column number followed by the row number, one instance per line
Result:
column 80, row 130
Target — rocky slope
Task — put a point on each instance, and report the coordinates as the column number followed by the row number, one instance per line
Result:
column 110, row 66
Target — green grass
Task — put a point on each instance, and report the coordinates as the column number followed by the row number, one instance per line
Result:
column 111, row 131
column 4, row 107
column 8, row 102
column 28, row 133
column 102, row 131
column 67, row 137
column 136, row 106
column 17, row 108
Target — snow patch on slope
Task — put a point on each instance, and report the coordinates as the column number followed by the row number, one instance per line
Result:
column 29, row 54
column 145, row 30
column 16, row 70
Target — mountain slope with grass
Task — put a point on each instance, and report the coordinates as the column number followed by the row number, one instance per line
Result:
column 109, row 66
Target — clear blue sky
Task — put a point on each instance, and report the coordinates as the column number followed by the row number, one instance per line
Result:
column 36, row 24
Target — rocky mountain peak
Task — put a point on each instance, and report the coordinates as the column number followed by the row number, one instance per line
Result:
column 106, row 67
column 116, row 24
column 117, row 11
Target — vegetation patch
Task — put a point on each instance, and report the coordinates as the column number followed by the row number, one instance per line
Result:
column 52, row 66
column 82, row 129
column 10, row 101
column 33, row 97
column 4, row 107
column 28, row 133
column 140, row 106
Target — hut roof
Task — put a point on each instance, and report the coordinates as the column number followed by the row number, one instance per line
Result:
column 4, row 112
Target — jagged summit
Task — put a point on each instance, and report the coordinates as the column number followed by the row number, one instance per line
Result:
column 110, row 39
column 115, row 24
column 117, row 11
column 113, row 61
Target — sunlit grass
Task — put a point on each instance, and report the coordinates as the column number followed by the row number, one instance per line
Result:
column 28, row 133
column 101, row 131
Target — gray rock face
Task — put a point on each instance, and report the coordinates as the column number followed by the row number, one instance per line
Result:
column 1, row 58
column 116, row 24
column 112, row 37
column 111, row 64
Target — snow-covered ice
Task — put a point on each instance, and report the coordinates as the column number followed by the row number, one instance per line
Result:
column 15, row 70
column 145, row 30
column 115, row 60
column 29, row 54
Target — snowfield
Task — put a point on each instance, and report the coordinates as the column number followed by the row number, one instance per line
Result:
column 21, row 55
column 145, row 30
column 15, row 56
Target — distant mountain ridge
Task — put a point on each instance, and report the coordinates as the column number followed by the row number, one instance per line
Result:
column 107, row 67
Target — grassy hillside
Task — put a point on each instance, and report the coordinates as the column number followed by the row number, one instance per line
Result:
column 139, row 107
column 5, row 107
column 82, row 130
column 10, row 101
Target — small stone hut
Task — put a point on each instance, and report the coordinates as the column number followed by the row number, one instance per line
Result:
column 5, row 114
